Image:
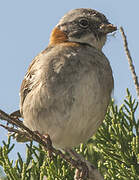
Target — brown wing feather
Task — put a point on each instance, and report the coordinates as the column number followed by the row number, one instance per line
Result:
column 26, row 83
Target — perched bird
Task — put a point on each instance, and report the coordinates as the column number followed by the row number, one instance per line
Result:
column 67, row 88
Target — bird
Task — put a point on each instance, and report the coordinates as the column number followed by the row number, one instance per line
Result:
column 67, row 88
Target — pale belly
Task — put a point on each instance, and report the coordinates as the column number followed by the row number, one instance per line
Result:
column 68, row 127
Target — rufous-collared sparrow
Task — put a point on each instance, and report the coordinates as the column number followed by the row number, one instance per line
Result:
column 67, row 88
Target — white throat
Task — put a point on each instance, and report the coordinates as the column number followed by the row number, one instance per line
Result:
column 91, row 40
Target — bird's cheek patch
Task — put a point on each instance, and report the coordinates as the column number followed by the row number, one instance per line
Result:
column 57, row 36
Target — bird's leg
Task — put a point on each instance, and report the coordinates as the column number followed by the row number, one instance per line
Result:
column 46, row 138
column 87, row 169
column 83, row 171
column 74, row 154
column 16, row 115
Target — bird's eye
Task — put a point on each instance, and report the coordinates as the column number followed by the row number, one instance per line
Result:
column 84, row 23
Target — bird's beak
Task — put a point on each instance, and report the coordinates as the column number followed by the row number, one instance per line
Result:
column 107, row 28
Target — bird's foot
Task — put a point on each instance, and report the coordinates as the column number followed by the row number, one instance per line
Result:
column 82, row 172
column 46, row 138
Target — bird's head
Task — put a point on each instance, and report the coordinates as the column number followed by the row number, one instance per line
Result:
column 82, row 25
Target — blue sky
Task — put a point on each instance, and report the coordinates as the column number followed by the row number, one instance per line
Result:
column 25, row 27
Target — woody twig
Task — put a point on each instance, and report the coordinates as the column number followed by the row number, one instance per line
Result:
column 130, row 61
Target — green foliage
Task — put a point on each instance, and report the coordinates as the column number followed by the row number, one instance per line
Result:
column 114, row 150
column 117, row 142
column 36, row 166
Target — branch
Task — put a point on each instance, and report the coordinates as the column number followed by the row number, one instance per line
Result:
column 130, row 61
column 45, row 141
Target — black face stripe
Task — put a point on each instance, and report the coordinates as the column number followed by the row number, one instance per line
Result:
column 67, row 23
